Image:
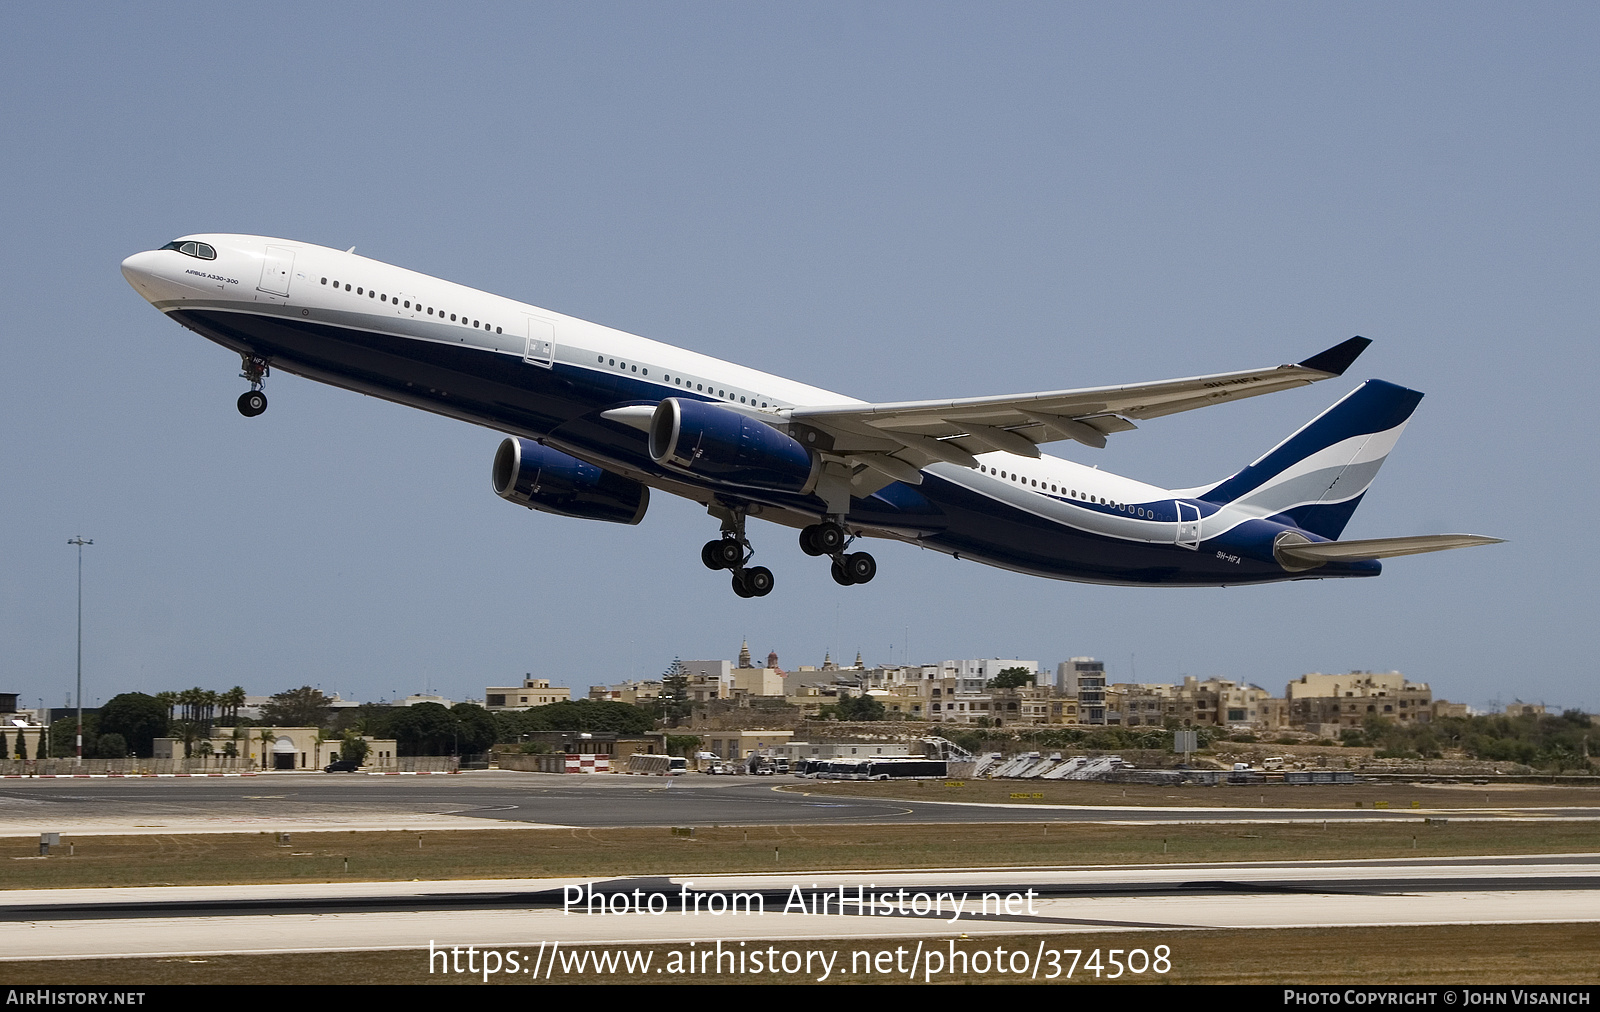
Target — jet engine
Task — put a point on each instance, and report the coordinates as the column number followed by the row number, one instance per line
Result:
column 533, row 475
column 710, row 441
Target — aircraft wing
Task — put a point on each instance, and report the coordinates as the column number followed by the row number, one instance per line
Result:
column 899, row 438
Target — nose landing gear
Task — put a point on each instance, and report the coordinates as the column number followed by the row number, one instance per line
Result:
column 252, row 402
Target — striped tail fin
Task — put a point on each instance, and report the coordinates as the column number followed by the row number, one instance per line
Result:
column 1317, row 476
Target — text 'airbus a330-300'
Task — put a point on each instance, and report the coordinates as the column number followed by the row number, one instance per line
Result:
column 596, row 418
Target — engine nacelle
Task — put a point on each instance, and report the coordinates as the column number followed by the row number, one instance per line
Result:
column 533, row 475
column 710, row 441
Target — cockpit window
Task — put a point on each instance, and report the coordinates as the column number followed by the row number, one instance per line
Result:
column 200, row 250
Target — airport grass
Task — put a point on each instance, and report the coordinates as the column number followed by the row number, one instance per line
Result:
column 1396, row 796
column 1525, row 954
column 236, row 859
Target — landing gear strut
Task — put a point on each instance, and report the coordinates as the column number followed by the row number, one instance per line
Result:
column 731, row 552
column 829, row 538
column 252, row 402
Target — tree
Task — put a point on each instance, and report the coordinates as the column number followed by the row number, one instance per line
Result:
column 575, row 715
column 476, row 728
column 682, row 744
column 231, row 702
column 673, row 702
column 853, row 708
column 424, row 729
column 139, row 718
column 302, row 707
column 111, row 746
column 353, row 748
column 22, row 746
column 64, row 735
column 1011, row 678
column 188, row 732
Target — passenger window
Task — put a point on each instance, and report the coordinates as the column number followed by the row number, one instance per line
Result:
column 324, row 280
column 358, row 291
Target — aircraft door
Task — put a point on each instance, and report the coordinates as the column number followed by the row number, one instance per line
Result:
column 275, row 270
column 541, row 342
column 1188, row 525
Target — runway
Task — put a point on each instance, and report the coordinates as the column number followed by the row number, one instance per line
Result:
column 503, row 799
column 523, row 914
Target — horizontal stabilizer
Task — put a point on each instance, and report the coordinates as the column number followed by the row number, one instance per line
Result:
column 1295, row 554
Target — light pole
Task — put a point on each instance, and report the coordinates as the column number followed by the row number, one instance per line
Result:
column 80, row 542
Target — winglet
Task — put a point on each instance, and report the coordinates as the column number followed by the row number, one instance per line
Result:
column 1337, row 359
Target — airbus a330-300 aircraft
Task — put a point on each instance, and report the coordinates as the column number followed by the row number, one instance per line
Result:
column 596, row 418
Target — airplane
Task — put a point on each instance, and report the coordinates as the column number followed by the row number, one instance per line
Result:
column 596, row 418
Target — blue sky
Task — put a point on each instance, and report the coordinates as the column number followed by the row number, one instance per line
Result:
column 891, row 200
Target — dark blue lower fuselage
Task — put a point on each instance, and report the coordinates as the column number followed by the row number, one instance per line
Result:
column 562, row 404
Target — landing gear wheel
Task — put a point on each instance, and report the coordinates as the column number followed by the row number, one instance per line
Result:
column 739, row 586
column 861, row 567
column 710, row 553
column 729, row 552
column 841, row 576
column 807, row 541
column 827, row 537
column 758, row 581
column 252, row 403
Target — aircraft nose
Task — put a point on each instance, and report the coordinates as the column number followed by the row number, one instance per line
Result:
column 158, row 278
column 140, row 270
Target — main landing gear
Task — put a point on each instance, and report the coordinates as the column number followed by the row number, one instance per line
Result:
column 731, row 552
column 252, row 402
column 829, row 538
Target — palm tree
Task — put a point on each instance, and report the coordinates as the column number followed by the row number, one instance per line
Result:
column 189, row 733
column 232, row 702
column 208, row 708
column 267, row 739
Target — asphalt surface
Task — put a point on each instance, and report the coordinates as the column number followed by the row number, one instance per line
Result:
column 527, row 914
column 340, row 801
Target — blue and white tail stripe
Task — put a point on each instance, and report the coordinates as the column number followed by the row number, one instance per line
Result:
column 1317, row 476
